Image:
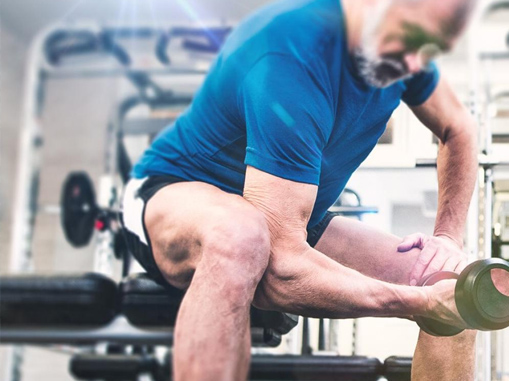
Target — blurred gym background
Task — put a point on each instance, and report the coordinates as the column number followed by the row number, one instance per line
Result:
column 395, row 180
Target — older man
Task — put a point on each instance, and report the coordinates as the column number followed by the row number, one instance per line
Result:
column 231, row 201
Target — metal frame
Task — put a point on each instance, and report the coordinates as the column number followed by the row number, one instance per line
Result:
column 119, row 331
column 487, row 345
column 38, row 72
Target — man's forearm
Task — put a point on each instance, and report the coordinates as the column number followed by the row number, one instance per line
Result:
column 457, row 169
column 311, row 284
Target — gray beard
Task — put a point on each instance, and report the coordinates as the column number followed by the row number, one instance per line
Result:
column 379, row 71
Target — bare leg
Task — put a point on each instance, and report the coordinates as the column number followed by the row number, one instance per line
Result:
column 444, row 358
column 217, row 245
column 212, row 332
column 374, row 253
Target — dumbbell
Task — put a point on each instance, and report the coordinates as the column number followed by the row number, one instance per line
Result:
column 481, row 305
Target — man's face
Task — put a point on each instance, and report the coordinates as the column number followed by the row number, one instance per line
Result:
column 401, row 40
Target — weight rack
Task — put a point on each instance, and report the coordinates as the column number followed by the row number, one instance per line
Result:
column 45, row 55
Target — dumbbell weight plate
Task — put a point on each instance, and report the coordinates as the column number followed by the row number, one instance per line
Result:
column 479, row 301
column 432, row 326
column 78, row 208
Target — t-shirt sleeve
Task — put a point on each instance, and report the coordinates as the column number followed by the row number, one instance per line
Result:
column 420, row 86
column 289, row 117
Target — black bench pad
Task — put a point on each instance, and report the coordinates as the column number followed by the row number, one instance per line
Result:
column 398, row 368
column 147, row 303
column 115, row 367
column 315, row 368
column 263, row 367
column 49, row 300
column 92, row 299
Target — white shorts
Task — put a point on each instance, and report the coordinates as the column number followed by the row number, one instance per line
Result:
column 132, row 209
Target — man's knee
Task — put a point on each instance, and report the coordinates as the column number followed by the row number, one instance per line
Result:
column 238, row 239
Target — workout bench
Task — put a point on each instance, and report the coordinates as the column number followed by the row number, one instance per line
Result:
column 91, row 308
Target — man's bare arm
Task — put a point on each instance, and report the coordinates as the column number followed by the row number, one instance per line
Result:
column 451, row 122
column 302, row 280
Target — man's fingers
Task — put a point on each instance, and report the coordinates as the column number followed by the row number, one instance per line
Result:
column 461, row 265
column 451, row 264
column 437, row 254
column 441, row 261
column 421, row 265
column 410, row 241
column 437, row 263
column 406, row 245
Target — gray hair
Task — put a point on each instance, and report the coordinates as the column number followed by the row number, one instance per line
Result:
column 462, row 12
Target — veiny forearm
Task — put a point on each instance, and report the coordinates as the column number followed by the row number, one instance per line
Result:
column 457, row 170
column 304, row 281
column 311, row 284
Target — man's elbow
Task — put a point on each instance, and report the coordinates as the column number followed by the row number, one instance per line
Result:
column 278, row 283
column 463, row 133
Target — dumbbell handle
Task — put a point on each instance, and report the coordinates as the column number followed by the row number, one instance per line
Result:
column 432, row 326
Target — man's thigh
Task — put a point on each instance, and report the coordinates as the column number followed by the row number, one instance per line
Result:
column 367, row 250
column 180, row 220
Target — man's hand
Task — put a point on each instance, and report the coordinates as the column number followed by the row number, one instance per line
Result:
column 439, row 253
column 442, row 304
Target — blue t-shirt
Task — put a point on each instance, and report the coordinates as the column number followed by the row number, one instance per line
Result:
column 282, row 96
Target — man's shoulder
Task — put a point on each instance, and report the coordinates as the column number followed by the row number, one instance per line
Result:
column 419, row 87
column 288, row 27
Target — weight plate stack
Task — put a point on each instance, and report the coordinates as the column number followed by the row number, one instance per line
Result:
column 479, row 301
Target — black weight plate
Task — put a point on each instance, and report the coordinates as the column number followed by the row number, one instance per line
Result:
column 431, row 326
column 479, row 302
column 78, row 208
